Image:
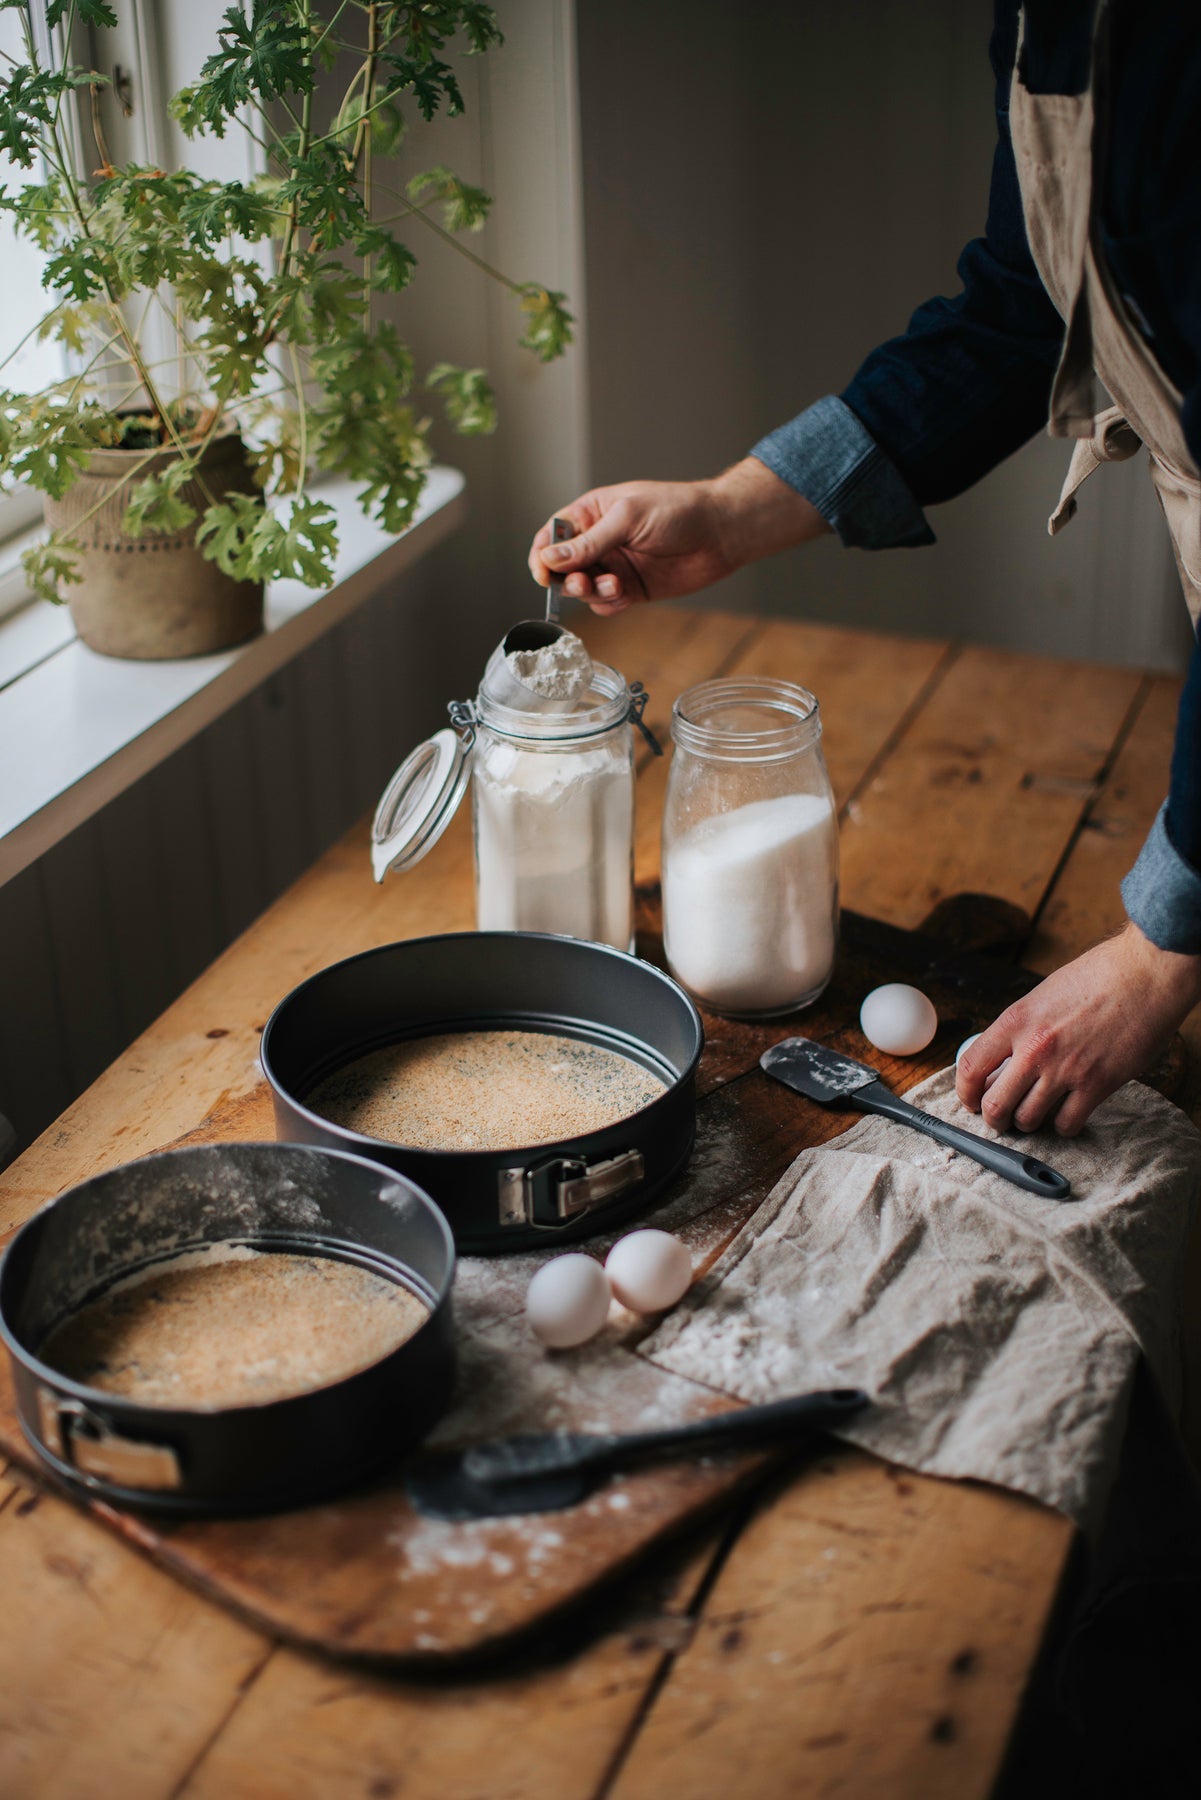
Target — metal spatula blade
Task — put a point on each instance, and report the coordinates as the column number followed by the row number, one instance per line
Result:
column 823, row 1075
column 547, row 1471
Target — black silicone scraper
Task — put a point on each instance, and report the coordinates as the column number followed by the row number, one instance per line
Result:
column 546, row 1471
column 825, row 1076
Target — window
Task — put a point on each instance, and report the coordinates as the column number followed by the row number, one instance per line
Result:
column 31, row 365
column 153, row 50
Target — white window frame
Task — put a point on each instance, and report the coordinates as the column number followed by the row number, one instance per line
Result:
column 135, row 46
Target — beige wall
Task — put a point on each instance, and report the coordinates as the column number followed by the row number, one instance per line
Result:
column 769, row 190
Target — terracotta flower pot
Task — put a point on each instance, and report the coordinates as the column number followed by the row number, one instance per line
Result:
column 155, row 596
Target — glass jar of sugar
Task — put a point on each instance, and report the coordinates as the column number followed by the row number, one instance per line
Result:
column 750, row 849
column 552, row 781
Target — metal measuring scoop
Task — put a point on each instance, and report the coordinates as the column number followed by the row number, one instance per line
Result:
column 530, row 634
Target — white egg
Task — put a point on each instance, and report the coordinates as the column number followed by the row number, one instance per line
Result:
column 649, row 1270
column 898, row 1019
column 966, row 1045
column 567, row 1301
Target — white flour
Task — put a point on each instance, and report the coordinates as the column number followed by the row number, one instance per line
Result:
column 749, row 904
column 559, row 671
column 552, row 841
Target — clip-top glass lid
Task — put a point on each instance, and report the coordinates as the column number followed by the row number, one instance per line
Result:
column 419, row 802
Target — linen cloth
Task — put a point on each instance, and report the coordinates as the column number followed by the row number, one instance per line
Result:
column 997, row 1332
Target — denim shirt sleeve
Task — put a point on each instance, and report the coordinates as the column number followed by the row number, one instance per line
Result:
column 1162, row 892
column 827, row 455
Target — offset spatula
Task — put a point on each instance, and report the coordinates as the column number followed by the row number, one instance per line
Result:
column 825, row 1076
column 546, row 1471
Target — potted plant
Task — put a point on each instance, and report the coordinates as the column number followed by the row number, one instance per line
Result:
column 177, row 483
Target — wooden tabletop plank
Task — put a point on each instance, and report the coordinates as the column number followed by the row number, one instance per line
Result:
column 1086, row 903
column 839, row 1654
column 113, row 1676
column 533, row 1730
column 987, row 786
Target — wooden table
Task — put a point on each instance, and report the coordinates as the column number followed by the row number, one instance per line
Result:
column 855, row 1630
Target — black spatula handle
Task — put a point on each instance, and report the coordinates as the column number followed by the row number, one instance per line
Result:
column 516, row 1459
column 751, row 1424
column 1025, row 1171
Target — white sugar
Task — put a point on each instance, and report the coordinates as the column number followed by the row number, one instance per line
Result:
column 750, row 902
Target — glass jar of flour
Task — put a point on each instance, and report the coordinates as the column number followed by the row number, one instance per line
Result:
column 750, row 849
column 551, row 770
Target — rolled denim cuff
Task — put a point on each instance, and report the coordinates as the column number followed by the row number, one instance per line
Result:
column 1162, row 893
column 827, row 454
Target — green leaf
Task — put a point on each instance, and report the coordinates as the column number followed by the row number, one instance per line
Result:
column 82, row 269
column 276, row 459
column 548, row 323
column 321, row 301
column 393, row 263
column 251, row 543
column 432, row 83
column 264, row 56
column 387, row 128
column 47, row 443
column 465, row 208
column 37, row 210
column 218, row 210
column 188, row 109
column 469, row 400
column 373, row 367
column 157, row 504
column 71, row 325
column 362, row 427
column 50, row 566
column 27, row 101
column 329, row 204
column 480, row 27
column 89, row 12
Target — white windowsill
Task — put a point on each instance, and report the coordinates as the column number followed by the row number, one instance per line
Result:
column 77, row 729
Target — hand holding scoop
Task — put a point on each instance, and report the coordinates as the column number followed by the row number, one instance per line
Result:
column 529, row 634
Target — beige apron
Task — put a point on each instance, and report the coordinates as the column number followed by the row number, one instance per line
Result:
column 1055, row 145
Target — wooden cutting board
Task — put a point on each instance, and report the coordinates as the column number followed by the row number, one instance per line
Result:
column 365, row 1576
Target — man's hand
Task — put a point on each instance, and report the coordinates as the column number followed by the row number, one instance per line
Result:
column 659, row 540
column 1080, row 1034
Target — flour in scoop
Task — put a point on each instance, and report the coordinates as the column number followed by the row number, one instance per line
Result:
column 559, row 671
column 750, row 905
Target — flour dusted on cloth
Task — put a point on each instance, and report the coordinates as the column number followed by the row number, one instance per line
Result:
column 998, row 1332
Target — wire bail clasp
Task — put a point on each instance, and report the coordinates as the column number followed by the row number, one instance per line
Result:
column 464, row 718
column 638, row 700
